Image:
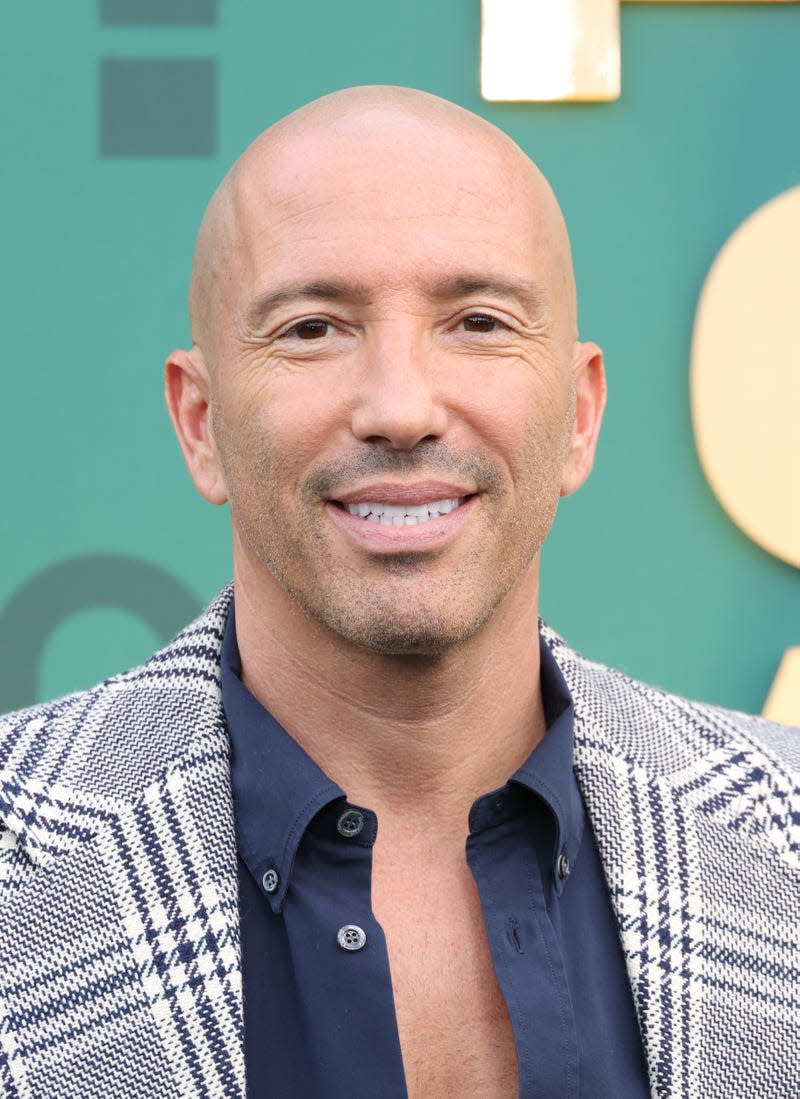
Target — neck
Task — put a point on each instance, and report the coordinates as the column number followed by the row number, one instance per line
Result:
column 396, row 731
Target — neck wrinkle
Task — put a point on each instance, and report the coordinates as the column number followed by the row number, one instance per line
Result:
column 397, row 732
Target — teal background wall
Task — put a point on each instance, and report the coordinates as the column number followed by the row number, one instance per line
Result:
column 106, row 549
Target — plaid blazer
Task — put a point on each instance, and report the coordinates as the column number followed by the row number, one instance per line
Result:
column 119, row 939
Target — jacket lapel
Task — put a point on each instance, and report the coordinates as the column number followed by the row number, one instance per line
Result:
column 649, row 856
column 681, row 800
column 120, row 970
column 122, row 958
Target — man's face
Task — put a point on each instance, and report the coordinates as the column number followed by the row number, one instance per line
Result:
column 393, row 397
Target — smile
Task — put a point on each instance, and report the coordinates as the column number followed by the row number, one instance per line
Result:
column 403, row 515
column 389, row 517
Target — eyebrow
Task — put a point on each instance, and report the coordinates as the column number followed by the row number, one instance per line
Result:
column 259, row 311
column 528, row 293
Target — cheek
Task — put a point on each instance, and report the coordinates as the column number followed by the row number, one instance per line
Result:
column 268, row 444
column 519, row 419
column 245, row 447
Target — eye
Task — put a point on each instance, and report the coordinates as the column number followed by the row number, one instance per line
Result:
column 481, row 322
column 314, row 329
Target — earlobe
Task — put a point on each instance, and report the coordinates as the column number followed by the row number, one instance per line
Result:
column 187, row 390
column 590, row 399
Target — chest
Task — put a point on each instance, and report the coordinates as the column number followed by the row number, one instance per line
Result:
column 466, row 974
column 454, row 1027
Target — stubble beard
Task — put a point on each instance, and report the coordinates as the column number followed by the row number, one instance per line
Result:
column 375, row 612
column 370, row 613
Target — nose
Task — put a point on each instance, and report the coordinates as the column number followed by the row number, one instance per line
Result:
column 399, row 404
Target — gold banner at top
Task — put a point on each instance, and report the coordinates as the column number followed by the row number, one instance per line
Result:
column 554, row 50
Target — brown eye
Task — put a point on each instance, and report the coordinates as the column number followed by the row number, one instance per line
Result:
column 478, row 322
column 310, row 330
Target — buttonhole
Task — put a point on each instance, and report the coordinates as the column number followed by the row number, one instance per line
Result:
column 514, row 935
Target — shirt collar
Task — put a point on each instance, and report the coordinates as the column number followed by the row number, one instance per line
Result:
column 277, row 787
column 548, row 773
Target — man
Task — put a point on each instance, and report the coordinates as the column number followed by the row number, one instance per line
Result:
column 443, row 854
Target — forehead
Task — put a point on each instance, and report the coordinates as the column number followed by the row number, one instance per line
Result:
column 387, row 204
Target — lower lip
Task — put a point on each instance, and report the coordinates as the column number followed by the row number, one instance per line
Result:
column 420, row 536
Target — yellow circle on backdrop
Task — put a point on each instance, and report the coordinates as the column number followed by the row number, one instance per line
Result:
column 745, row 376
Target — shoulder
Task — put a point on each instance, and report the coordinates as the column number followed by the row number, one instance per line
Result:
column 664, row 731
column 735, row 775
column 106, row 744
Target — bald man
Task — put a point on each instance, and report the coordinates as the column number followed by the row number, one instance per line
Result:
column 367, row 828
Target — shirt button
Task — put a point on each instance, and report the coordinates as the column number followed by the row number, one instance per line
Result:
column 563, row 865
column 270, row 880
column 350, row 823
column 351, row 937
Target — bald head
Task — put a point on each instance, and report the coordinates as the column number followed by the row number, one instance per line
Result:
column 382, row 302
column 392, row 138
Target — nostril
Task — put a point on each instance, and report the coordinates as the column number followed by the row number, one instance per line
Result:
column 398, row 423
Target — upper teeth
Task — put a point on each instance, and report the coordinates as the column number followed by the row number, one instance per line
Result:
column 403, row 515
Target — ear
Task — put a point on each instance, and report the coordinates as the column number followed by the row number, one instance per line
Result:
column 187, row 389
column 589, row 379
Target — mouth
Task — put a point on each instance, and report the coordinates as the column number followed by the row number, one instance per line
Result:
column 401, row 515
column 386, row 517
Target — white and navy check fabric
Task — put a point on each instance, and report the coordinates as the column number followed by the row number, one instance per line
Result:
column 119, row 934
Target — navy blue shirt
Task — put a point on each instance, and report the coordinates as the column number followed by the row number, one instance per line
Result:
column 318, row 1006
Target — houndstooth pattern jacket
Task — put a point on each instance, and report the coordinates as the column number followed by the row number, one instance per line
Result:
column 119, row 939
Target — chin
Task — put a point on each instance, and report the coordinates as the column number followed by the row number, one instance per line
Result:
column 395, row 617
column 389, row 634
